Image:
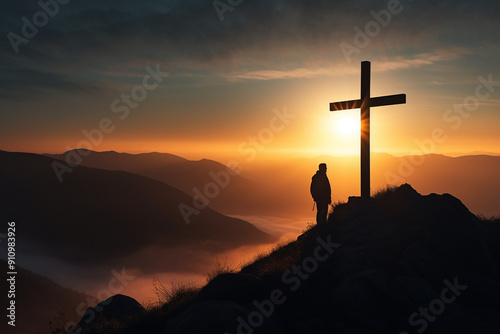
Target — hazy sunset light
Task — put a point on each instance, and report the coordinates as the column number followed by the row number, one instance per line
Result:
column 150, row 149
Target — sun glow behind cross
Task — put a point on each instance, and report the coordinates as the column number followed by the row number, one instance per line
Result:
column 339, row 133
column 347, row 125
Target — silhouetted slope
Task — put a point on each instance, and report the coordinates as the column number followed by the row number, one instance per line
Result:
column 491, row 227
column 40, row 300
column 96, row 215
column 398, row 263
column 180, row 173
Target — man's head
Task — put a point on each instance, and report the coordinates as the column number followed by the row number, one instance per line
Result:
column 322, row 167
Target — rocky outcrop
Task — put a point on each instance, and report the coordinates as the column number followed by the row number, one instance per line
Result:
column 118, row 308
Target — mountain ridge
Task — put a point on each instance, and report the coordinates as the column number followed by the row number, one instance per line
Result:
column 180, row 173
column 282, row 186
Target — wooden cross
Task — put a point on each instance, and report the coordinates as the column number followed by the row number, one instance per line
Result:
column 364, row 104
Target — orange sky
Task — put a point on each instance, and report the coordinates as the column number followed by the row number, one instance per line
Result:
column 208, row 95
column 305, row 127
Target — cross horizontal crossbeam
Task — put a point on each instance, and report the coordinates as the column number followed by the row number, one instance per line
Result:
column 374, row 102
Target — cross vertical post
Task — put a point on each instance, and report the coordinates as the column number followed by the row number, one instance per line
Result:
column 365, row 103
column 365, row 129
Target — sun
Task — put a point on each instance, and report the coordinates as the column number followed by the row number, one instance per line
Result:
column 347, row 126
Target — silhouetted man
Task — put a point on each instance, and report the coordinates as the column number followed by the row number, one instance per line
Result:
column 321, row 193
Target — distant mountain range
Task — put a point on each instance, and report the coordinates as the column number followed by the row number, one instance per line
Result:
column 96, row 216
column 64, row 217
column 180, row 173
column 281, row 188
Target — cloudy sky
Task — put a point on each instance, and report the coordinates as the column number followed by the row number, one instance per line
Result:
column 199, row 77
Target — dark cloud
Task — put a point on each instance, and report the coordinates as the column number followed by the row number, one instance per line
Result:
column 96, row 37
column 17, row 84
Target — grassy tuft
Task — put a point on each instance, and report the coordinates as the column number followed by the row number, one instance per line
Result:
column 492, row 219
column 221, row 268
column 384, row 191
column 175, row 296
column 277, row 260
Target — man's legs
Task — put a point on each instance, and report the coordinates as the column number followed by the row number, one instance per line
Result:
column 322, row 212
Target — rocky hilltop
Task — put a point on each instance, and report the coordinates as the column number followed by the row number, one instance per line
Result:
column 397, row 263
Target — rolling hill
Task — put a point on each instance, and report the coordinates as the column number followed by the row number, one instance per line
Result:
column 97, row 216
column 180, row 173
